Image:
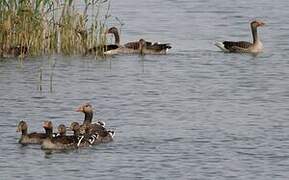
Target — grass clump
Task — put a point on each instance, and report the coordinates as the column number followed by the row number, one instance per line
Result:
column 38, row 27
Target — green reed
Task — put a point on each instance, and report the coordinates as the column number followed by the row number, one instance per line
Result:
column 42, row 27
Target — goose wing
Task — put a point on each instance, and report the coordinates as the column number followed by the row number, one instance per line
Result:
column 159, row 47
column 98, row 129
column 236, row 46
column 135, row 45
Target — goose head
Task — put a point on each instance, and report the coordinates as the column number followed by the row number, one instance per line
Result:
column 112, row 30
column 257, row 23
column 85, row 108
column 22, row 126
column 47, row 125
column 88, row 112
column 61, row 129
column 75, row 127
column 142, row 45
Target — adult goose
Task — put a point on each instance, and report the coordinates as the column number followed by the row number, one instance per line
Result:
column 31, row 138
column 155, row 48
column 134, row 47
column 103, row 135
column 87, row 110
column 243, row 46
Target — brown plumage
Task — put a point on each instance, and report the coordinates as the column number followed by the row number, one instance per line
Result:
column 90, row 129
column 31, row 138
column 242, row 44
column 103, row 48
column 107, row 47
column 149, row 48
column 59, row 142
column 87, row 110
column 61, row 130
column 136, row 45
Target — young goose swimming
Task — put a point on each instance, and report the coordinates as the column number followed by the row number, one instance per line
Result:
column 134, row 47
column 31, row 138
column 59, row 142
column 61, row 130
column 243, row 46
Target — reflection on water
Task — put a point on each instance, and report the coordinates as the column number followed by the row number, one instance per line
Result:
column 195, row 113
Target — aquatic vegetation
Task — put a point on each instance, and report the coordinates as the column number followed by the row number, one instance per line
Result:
column 39, row 27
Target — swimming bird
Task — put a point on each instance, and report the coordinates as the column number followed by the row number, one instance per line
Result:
column 155, row 48
column 31, row 138
column 134, row 47
column 243, row 46
column 61, row 130
column 87, row 109
column 103, row 135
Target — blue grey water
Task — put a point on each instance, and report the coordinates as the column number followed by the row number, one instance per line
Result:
column 196, row 113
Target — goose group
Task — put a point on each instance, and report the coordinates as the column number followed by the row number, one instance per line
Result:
column 88, row 133
column 83, row 134
column 141, row 46
column 146, row 47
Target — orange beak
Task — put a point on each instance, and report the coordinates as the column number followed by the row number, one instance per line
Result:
column 79, row 109
column 45, row 124
column 107, row 31
column 262, row 24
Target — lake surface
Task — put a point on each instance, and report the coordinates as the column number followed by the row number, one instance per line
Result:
column 195, row 113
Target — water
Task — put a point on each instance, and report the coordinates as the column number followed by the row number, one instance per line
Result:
column 195, row 113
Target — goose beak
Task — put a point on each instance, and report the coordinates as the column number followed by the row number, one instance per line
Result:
column 262, row 24
column 107, row 31
column 79, row 109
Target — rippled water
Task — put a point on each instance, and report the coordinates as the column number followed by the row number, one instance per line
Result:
column 195, row 113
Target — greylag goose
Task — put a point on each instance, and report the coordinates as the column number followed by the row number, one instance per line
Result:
column 31, row 138
column 87, row 109
column 108, row 48
column 105, row 48
column 243, row 46
column 155, row 48
column 119, row 48
column 134, row 47
column 61, row 130
column 103, row 135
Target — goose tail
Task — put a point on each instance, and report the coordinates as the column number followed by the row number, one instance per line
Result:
column 221, row 46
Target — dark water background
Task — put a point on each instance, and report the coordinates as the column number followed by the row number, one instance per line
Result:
column 195, row 113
